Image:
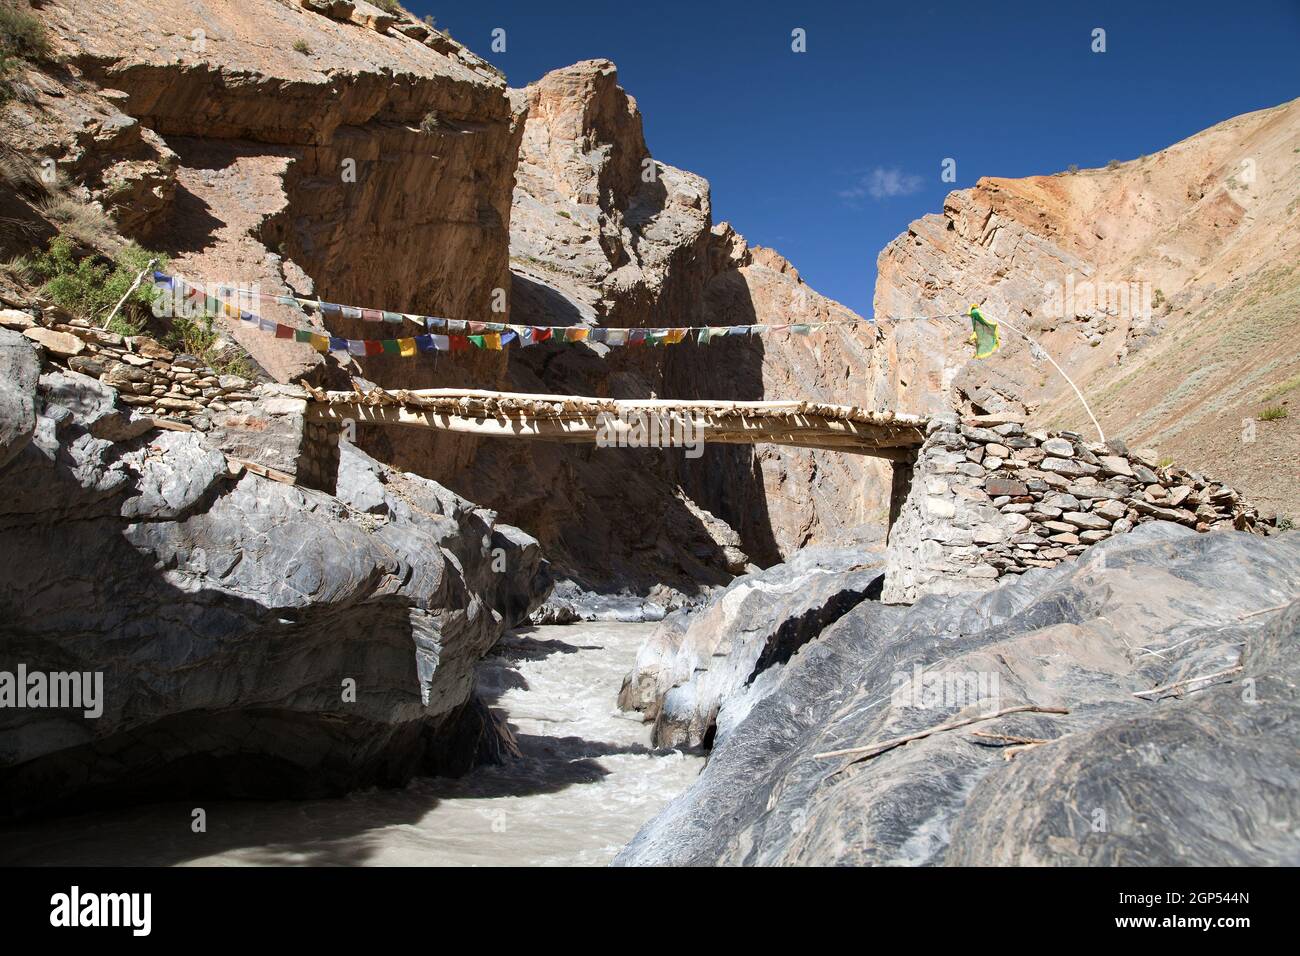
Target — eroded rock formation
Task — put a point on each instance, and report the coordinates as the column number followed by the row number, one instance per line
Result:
column 1165, row 286
column 1173, row 655
column 228, row 613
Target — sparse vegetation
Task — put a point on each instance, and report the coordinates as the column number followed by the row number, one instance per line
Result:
column 1164, row 462
column 1072, row 168
column 20, row 270
column 194, row 336
column 1273, row 413
column 1285, row 523
column 19, row 173
column 22, row 35
column 302, row 47
column 1113, row 164
column 84, row 224
column 90, row 286
column 391, row 7
column 240, row 365
column 431, row 122
column 1280, row 388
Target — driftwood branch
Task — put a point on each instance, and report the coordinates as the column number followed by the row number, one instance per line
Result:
column 1186, row 680
column 875, row 750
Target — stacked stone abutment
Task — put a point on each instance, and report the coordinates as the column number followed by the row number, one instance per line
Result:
column 988, row 498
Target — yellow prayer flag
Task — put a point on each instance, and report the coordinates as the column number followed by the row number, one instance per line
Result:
column 492, row 340
column 407, row 347
column 675, row 336
column 575, row 334
column 321, row 343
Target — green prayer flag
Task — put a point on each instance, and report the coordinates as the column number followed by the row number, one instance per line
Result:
column 301, row 335
column 477, row 340
column 391, row 347
column 984, row 334
column 703, row 337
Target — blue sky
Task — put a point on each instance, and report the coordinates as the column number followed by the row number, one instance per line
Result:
column 827, row 155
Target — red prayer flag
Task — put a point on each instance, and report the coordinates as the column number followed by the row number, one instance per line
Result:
column 283, row 331
column 374, row 348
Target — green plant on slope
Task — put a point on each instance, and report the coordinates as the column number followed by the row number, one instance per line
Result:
column 194, row 336
column 90, row 286
column 1280, row 388
column 1273, row 413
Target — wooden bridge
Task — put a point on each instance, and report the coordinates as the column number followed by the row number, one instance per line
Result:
column 632, row 423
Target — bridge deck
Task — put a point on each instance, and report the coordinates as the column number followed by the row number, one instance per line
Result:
column 658, row 422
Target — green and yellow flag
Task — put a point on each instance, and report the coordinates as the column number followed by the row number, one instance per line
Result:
column 984, row 334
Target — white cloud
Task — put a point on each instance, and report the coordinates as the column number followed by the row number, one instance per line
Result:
column 882, row 183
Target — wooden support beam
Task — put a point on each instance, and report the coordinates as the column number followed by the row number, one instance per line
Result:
column 836, row 428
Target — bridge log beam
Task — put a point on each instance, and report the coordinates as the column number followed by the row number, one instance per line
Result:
column 670, row 423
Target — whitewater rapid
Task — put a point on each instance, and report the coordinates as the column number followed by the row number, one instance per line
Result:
column 586, row 782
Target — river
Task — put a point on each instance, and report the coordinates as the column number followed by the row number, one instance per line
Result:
column 587, row 781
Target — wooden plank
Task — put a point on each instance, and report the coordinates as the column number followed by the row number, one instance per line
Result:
column 806, row 431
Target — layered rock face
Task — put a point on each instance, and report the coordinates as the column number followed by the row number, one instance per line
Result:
column 603, row 233
column 1172, row 656
column 1164, row 286
column 371, row 164
column 253, row 637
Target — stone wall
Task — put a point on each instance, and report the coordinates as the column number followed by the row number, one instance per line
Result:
column 149, row 377
column 989, row 498
column 259, row 427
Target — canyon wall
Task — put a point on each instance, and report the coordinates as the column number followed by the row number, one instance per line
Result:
column 1165, row 286
column 603, row 233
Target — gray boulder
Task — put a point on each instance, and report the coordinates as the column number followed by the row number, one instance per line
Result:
column 19, row 369
column 255, row 638
column 704, row 667
column 1203, row 772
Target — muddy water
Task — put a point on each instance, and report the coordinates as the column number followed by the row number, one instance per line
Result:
column 588, row 779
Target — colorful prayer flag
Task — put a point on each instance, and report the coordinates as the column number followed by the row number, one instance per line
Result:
column 984, row 333
column 406, row 347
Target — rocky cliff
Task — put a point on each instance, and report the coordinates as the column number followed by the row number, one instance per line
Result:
column 1136, row 706
column 254, row 638
column 1166, row 286
column 603, row 233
